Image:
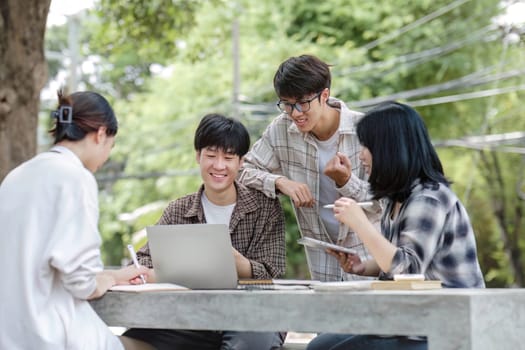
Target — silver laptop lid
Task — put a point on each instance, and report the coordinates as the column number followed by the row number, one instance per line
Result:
column 197, row 256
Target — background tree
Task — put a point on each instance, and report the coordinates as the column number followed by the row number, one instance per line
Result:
column 22, row 76
column 131, row 35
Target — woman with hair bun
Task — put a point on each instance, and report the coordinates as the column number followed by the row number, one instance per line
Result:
column 50, row 249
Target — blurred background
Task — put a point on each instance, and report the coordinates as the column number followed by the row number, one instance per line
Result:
column 164, row 64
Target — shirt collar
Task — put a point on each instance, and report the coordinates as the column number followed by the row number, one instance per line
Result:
column 69, row 154
column 246, row 202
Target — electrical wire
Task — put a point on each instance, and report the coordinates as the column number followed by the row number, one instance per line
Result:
column 420, row 56
column 461, row 83
column 466, row 96
column 414, row 24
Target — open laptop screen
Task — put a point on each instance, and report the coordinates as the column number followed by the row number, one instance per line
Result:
column 197, row 256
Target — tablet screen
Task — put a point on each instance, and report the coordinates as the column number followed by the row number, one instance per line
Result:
column 315, row 243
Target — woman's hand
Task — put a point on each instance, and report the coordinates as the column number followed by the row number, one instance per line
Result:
column 348, row 212
column 127, row 275
column 131, row 275
column 350, row 263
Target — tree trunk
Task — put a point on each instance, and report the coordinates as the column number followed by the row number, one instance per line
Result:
column 23, row 73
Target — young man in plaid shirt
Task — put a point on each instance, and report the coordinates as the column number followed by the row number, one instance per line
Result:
column 310, row 153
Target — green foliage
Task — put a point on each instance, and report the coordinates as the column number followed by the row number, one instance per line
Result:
column 147, row 28
column 130, row 36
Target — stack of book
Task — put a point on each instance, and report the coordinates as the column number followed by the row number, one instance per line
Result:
column 400, row 282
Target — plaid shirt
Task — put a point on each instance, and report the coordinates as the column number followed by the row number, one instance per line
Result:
column 256, row 229
column 435, row 238
column 283, row 150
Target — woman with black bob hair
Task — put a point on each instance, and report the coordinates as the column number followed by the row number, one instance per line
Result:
column 397, row 138
column 424, row 228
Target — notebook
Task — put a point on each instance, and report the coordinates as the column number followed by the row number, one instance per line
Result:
column 196, row 256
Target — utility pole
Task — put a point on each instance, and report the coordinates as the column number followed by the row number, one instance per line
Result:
column 236, row 59
column 73, row 48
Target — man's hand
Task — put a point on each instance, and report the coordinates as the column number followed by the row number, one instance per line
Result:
column 243, row 265
column 339, row 169
column 298, row 192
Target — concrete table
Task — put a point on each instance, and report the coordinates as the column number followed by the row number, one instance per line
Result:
column 451, row 318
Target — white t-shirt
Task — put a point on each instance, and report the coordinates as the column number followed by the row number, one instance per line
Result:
column 50, row 254
column 216, row 214
column 327, row 190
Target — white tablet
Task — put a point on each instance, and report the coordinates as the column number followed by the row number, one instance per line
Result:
column 315, row 243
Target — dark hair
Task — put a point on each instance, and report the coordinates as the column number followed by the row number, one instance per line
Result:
column 397, row 138
column 227, row 134
column 89, row 111
column 301, row 76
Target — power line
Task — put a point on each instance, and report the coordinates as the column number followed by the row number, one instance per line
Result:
column 440, row 50
column 463, row 82
column 414, row 24
column 466, row 96
column 494, row 142
column 424, row 55
column 411, row 59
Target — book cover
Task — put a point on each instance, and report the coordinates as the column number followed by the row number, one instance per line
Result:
column 406, row 285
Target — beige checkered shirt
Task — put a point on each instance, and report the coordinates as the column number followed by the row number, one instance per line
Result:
column 283, row 150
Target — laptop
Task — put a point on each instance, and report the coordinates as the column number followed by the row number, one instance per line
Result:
column 197, row 256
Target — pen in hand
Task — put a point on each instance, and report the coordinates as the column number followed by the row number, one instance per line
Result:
column 135, row 261
column 361, row 204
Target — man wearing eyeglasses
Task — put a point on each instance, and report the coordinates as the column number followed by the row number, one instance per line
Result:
column 310, row 153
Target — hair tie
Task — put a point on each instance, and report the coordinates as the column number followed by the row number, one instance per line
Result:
column 64, row 114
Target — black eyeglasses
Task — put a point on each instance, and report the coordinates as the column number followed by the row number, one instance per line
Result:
column 300, row 106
